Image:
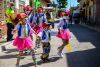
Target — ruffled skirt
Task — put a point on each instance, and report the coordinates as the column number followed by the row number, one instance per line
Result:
column 64, row 34
column 23, row 43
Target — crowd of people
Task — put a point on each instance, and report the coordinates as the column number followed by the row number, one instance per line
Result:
column 27, row 23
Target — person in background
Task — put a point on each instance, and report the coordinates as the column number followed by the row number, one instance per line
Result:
column 10, row 25
column 70, row 19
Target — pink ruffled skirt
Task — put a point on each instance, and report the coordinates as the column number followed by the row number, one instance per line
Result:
column 23, row 43
column 38, row 29
column 64, row 34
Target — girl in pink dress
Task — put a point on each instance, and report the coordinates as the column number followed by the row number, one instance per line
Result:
column 23, row 40
column 63, row 33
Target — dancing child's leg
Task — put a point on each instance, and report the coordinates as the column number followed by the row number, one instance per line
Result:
column 32, row 52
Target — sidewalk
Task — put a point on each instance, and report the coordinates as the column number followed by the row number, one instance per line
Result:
column 96, row 28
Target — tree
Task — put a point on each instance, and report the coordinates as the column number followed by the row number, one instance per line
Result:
column 62, row 3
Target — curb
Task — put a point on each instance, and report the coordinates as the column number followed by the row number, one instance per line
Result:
column 93, row 28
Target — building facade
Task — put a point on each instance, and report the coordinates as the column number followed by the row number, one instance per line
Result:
column 90, row 10
column 19, row 4
column 2, row 9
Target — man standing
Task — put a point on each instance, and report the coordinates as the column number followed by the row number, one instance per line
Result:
column 10, row 26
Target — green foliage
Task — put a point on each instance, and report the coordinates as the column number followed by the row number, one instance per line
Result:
column 62, row 3
column 37, row 3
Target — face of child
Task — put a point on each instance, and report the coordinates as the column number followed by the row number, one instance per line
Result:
column 47, row 27
column 40, row 11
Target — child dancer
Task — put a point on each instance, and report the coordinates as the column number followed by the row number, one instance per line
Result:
column 40, row 20
column 23, row 41
column 45, row 37
column 63, row 33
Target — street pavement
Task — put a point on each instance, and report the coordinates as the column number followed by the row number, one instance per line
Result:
column 83, row 50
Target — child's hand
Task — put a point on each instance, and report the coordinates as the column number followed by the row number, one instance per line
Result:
column 13, row 31
column 58, row 31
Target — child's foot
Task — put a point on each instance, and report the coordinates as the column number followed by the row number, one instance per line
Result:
column 47, row 60
column 21, row 57
column 17, row 65
column 35, row 66
column 38, row 46
column 58, row 49
column 60, row 54
column 26, row 52
column 36, row 50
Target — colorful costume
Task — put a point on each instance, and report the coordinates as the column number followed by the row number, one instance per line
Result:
column 45, row 37
column 40, row 19
column 63, row 33
column 40, row 22
column 23, row 41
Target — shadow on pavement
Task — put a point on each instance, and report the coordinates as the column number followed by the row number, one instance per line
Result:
column 8, row 56
column 11, row 50
column 83, row 34
column 85, row 58
column 53, row 59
